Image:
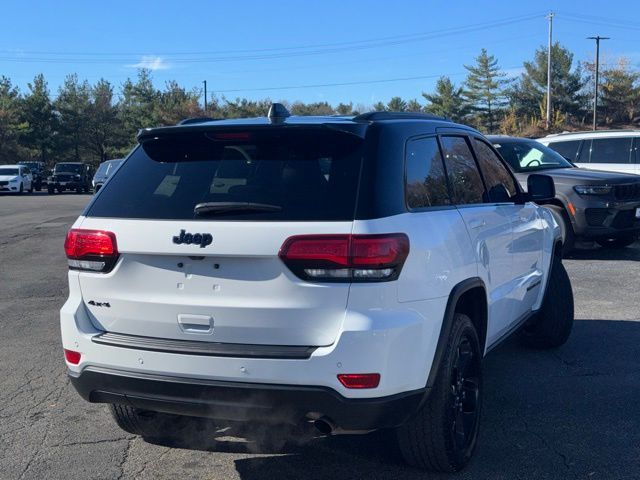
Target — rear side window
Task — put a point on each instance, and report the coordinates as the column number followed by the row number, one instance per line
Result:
column 464, row 177
column 568, row 150
column 426, row 182
column 609, row 150
column 262, row 174
column 500, row 183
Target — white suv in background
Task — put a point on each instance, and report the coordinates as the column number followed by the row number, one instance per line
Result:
column 609, row 150
column 15, row 179
column 347, row 273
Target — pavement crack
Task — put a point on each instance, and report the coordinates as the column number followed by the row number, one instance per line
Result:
column 125, row 457
column 547, row 445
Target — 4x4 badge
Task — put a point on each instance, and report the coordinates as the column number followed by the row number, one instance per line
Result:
column 202, row 239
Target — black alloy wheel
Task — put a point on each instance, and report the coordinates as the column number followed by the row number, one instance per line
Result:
column 465, row 394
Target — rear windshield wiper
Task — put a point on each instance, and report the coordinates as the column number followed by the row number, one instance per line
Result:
column 216, row 208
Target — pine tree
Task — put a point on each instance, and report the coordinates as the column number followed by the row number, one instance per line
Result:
column 396, row 104
column 484, row 89
column 620, row 93
column 447, row 101
column 528, row 94
column 41, row 122
column 72, row 105
column 10, row 124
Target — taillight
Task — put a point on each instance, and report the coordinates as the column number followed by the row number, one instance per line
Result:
column 94, row 250
column 359, row 380
column 346, row 258
column 72, row 357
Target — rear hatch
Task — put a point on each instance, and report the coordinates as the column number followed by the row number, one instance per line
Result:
column 199, row 218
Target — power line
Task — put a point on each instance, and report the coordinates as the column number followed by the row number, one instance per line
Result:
column 279, row 53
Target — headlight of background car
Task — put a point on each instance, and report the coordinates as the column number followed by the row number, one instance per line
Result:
column 593, row 189
column 13, row 180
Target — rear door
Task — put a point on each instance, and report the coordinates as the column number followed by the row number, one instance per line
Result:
column 528, row 235
column 489, row 225
column 213, row 273
column 614, row 154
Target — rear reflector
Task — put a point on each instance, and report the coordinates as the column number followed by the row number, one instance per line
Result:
column 94, row 250
column 72, row 357
column 359, row 380
column 346, row 258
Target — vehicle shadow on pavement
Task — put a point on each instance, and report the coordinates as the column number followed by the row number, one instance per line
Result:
column 547, row 414
column 598, row 253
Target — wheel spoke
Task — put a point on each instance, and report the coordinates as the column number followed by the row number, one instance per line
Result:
column 459, row 428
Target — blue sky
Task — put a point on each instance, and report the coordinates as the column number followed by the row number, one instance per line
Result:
column 338, row 51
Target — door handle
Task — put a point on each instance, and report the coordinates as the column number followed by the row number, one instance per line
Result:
column 477, row 223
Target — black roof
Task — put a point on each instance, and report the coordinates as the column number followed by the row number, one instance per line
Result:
column 352, row 124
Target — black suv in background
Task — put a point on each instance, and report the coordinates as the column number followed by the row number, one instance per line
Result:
column 38, row 173
column 70, row 176
column 591, row 204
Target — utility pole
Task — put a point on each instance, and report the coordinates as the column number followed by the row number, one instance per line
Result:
column 597, row 38
column 550, row 17
column 205, row 96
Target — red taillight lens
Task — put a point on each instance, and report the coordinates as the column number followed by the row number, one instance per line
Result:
column 94, row 250
column 72, row 357
column 346, row 258
column 359, row 380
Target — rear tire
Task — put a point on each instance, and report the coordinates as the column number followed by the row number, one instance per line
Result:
column 552, row 324
column 618, row 242
column 568, row 235
column 442, row 435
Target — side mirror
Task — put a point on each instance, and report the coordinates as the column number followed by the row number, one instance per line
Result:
column 540, row 188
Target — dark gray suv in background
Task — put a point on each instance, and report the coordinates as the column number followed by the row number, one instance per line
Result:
column 591, row 204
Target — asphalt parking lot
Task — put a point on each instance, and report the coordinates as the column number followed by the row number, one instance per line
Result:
column 570, row 413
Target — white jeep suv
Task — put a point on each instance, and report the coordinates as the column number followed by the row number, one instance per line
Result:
column 349, row 273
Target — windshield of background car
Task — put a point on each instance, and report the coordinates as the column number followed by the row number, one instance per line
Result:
column 68, row 168
column 31, row 165
column 530, row 156
column 8, row 171
column 305, row 173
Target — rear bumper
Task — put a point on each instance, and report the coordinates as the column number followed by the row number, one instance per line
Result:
column 236, row 401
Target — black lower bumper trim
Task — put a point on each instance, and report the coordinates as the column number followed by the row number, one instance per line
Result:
column 237, row 401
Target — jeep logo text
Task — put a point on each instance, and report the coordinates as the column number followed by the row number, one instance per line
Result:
column 202, row 239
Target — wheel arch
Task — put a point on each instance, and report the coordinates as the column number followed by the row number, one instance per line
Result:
column 470, row 298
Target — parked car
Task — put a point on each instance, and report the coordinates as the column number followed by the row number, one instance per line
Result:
column 589, row 204
column 38, row 173
column 609, row 150
column 353, row 277
column 104, row 171
column 74, row 176
column 15, row 179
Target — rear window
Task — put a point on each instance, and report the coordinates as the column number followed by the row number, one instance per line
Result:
column 269, row 174
column 608, row 150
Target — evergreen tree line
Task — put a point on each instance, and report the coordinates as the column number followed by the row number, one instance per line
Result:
column 93, row 123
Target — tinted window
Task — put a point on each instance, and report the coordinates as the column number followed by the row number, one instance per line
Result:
column 568, row 150
column 309, row 174
column 426, row 181
column 464, row 176
column 610, row 150
column 500, row 184
column 68, row 167
column 9, row 171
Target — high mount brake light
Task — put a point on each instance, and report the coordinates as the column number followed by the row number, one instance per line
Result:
column 346, row 258
column 92, row 250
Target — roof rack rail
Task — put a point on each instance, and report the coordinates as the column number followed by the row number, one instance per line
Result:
column 384, row 115
column 189, row 121
column 610, row 130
